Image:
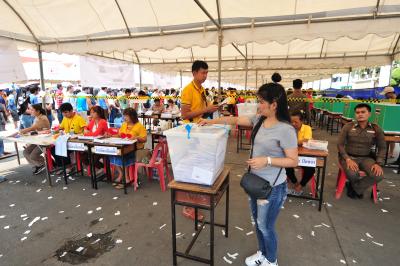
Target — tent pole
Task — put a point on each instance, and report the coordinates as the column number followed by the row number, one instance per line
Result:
column 246, row 63
column 348, row 78
column 330, row 85
column 180, row 74
column 140, row 77
column 41, row 73
column 256, row 78
column 219, row 57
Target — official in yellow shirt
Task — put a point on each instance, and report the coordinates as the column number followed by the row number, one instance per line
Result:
column 304, row 133
column 193, row 98
column 130, row 129
column 71, row 120
column 231, row 101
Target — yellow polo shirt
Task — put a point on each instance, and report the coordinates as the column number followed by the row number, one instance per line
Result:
column 305, row 133
column 136, row 130
column 231, row 97
column 192, row 95
column 77, row 123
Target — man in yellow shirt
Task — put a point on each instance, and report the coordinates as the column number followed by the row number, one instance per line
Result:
column 193, row 99
column 71, row 121
column 194, row 106
column 231, row 101
column 304, row 133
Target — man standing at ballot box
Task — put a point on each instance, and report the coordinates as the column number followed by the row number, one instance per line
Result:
column 194, row 106
column 355, row 144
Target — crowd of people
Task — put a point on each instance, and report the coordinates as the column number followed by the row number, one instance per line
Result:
column 281, row 123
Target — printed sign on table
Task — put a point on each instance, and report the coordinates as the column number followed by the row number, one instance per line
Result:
column 73, row 146
column 106, row 150
column 307, row 161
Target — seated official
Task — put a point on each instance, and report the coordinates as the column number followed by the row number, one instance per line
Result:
column 172, row 108
column 72, row 123
column 157, row 107
column 355, row 143
column 304, row 133
column 32, row 153
column 130, row 129
column 97, row 127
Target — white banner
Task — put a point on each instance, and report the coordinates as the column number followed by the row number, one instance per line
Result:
column 11, row 68
column 99, row 72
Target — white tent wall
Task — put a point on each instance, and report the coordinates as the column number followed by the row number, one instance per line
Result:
column 11, row 68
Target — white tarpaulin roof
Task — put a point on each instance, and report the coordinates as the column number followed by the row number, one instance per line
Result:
column 166, row 36
column 11, row 68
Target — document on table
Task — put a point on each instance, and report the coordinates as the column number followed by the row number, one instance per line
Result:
column 61, row 145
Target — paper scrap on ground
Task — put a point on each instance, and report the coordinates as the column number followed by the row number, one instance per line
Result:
column 64, row 188
column 37, row 218
column 343, row 261
column 249, row 233
column 23, row 215
column 117, row 213
column 162, row 226
column 115, row 198
column 2, row 216
column 77, row 206
column 45, row 218
column 296, row 216
column 155, row 203
column 64, row 253
column 325, row 225
column 227, row 261
column 89, row 235
column 6, row 227
column 318, row 225
column 27, row 232
column 12, row 205
column 312, row 233
column 118, row 241
column 26, row 218
column 70, row 178
column 233, row 256
column 39, row 190
column 23, row 239
column 80, row 249
column 90, row 212
column 299, row 237
column 378, row 244
column 362, row 240
column 223, row 232
column 94, row 194
column 239, row 228
column 61, row 212
column 94, row 242
column 98, row 208
column 354, row 261
column 369, row 235
column 50, row 197
column 101, row 219
column 383, row 210
column 43, row 181
column 129, row 248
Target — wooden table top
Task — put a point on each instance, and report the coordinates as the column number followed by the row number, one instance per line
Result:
column 200, row 188
column 245, row 127
column 313, row 153
column 392, row 138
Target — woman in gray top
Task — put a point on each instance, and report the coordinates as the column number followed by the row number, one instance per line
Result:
column 275, row 147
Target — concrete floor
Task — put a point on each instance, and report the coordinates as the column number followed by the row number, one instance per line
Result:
column 73, row 211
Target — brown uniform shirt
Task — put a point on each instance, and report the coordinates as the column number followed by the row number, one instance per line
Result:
column 298, row 102
column 355, row 141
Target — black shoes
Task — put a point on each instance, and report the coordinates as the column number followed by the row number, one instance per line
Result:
column 351, row 193
column 39, row 169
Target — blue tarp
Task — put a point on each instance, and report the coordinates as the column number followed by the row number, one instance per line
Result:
column 359, row 93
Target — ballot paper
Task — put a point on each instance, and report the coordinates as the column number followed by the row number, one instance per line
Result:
column 61, row 145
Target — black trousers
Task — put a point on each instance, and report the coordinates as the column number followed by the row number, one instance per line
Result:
column 308, row 172
column 59, row 159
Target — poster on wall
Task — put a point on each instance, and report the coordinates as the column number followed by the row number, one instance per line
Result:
column 100, row 72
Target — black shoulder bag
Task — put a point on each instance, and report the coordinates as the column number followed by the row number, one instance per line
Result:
column 253, row 185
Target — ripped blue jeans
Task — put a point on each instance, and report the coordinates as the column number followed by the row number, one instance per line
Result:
column 265, row 213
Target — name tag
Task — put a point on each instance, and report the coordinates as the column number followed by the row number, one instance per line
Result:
column 371, row 131
column 106, row 150
column 73, row 146
column 307, row 161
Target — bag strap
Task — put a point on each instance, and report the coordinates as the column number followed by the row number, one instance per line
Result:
column 253, row 135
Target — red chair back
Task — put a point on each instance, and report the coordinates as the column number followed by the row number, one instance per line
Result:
column 113, row 131
column 157, row 150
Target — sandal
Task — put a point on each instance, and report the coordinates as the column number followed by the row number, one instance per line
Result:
column 119, row 186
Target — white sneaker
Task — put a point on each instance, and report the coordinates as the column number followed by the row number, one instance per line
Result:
column 267, row 263
column 255, row 259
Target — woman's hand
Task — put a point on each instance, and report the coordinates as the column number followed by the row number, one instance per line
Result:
column 203, row 122
column 257, row 163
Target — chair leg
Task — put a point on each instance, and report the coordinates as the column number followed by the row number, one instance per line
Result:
column 78, row 160
column 135, row 178
column 313, row 188
column 341, row 184
column 160, row 169
column 131, row 170
column 375, row 193
column 49, row 159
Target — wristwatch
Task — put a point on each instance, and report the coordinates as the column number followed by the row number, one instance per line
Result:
column 269, row 161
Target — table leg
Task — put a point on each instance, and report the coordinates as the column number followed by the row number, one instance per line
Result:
column 196, row 221
column 237, row 140
column 321, row 199
column 152, row 141
column 123, row 173
column 387, row 152
column 90, row 166
column 227, row 210
column 16, row 150
column 44, row 150
column 64, row 171
column 173, row 213
column 212, row 230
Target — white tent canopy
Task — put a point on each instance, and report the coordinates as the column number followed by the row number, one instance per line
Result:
column 295, row 34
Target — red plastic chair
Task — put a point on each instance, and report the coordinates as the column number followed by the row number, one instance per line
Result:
column 165, row 158
column 156, row 162
column 341, row 182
